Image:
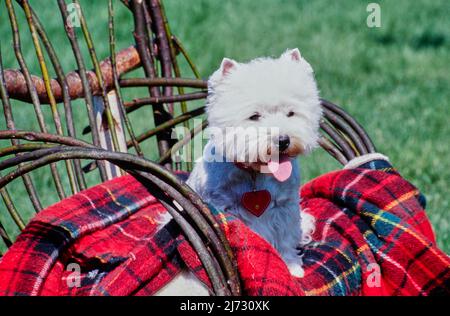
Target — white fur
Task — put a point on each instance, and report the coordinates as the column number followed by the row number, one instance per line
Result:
column 272, row 87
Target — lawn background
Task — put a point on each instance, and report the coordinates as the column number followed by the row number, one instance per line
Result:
column 394, row 79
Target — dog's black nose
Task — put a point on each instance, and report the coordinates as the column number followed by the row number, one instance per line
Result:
column 283, row 142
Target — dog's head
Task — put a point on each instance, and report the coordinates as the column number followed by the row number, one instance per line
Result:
column 265, row 108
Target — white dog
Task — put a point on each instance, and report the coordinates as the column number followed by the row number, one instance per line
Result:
column 255, row 175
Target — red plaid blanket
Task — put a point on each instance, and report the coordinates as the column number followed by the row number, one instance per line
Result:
column 372, row 238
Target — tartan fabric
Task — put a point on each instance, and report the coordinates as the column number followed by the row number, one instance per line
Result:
column 368, row 220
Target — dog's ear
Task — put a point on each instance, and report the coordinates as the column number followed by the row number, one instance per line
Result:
column 295, row 56
column 227, row 66
column 292, row 54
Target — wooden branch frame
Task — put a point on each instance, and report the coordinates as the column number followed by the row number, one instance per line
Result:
column 127, row 60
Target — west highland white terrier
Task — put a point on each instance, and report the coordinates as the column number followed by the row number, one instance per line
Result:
column 261, row 115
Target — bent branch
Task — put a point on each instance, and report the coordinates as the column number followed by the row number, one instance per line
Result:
column 127, row 59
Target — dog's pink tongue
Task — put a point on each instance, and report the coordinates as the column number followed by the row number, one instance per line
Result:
column 282, row 169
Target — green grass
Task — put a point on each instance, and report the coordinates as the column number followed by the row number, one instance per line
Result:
column 394, row 80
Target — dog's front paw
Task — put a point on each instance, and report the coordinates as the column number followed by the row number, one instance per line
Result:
column 296, row 270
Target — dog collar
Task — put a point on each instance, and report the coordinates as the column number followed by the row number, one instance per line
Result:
column 243, row 166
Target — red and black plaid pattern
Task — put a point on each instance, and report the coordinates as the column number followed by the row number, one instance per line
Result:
column 369, row 221
column 372, row 238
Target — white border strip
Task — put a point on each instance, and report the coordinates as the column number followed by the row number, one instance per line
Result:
column 358, row 161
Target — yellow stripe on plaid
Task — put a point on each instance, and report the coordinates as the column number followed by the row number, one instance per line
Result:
column 375, row 218
column 409, row 231
column 224, row 221
column 127, row 207
column 113, row 197
column 402, row 198
column 337, row 279
column 329, row 285
column 150, row 219
column 362, row 248
column 394, row 203
column 344, row 255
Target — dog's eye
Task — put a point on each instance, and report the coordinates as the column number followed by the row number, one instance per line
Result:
column 255, row 117
column 290, row 114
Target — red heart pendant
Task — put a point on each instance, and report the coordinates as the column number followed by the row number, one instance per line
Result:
column 256, row 202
